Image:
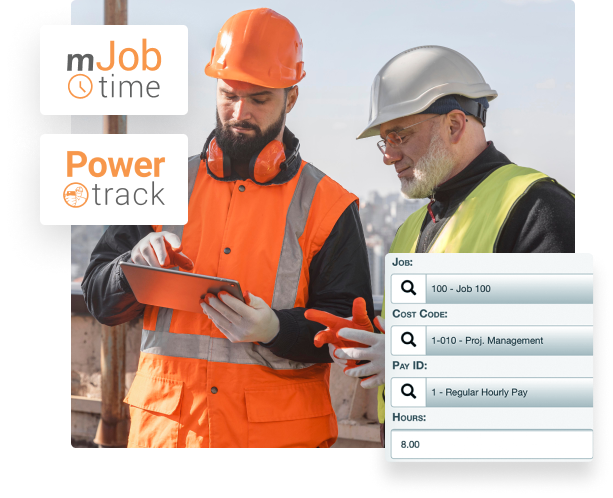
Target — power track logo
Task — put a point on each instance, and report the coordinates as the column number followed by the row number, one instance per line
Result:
column 113, row 179
column 113, row 70
column 76, row 195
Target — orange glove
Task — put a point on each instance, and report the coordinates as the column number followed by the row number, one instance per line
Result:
column 359, row 320
column 161, row 250
column 176, row 258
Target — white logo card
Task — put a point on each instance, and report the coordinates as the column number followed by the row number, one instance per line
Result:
column 113, row 70
column 113, row 179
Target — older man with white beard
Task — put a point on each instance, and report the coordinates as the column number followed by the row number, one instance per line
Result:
column 429, row 107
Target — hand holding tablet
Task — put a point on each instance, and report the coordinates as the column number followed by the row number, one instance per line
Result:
column 173, row 289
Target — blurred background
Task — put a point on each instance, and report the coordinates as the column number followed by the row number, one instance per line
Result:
column 523, row 48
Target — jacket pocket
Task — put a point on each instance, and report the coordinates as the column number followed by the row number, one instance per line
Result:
column 154, row 411
column 293, row 415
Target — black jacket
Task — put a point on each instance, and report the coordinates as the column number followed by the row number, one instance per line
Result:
column 543, row 220
column 339, row 273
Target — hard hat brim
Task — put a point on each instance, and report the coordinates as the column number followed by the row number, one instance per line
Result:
column 238, row 75
column 408, row 108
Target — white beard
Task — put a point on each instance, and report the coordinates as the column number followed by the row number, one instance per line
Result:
column 432, row 169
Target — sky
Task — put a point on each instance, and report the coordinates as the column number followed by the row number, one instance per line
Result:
column 524, row 49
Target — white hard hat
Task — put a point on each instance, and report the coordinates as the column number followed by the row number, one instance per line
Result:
column 410, row 82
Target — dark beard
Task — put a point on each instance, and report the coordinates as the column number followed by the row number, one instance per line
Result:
column 241, row 148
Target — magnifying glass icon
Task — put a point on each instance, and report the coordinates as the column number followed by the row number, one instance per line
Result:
column 402, row 390
column 410, row 340
column 411, row 289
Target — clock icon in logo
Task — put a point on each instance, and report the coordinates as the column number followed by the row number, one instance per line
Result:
column 80, row 86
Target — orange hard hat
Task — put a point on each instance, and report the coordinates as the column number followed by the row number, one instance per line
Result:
column 260, row 47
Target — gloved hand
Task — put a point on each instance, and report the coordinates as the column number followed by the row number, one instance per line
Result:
column 374, row 370
column 240, row 322
column 161, row 250
column 359, row 320
column 340, row 362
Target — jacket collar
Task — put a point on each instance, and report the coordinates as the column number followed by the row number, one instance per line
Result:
column 486, row 162
column 289, row 168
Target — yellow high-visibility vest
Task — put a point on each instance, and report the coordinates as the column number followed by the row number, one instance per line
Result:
column 474, row 227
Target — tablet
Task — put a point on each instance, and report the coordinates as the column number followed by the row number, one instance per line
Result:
column 178, row 290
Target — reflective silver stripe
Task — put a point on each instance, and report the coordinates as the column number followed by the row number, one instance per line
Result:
column 162, row 324
column 181, row 345
column 160, row 341
column 290, row 261
column 215, row 349
column 193, row 165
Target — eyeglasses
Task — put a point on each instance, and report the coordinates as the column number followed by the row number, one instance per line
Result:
column 395, row 140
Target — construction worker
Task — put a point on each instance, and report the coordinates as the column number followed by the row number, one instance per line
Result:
column 242, row 374
column 428, row 106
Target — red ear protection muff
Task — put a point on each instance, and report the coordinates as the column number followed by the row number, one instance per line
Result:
column 263, row 167
column 267, row 164
column 218, row 164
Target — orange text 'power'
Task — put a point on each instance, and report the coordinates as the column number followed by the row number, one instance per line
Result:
column 98, row 166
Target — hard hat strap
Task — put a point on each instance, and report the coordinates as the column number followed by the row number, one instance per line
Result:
column 474, row 108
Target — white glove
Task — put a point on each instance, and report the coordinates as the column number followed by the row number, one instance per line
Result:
column 375, row 354
column 240, row 322
column 161, row 250
column 338, row 361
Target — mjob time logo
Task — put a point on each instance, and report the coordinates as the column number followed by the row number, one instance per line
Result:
column 113, row 179
column 113, row 70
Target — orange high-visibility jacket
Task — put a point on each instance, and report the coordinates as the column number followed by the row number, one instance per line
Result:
column 194, row 388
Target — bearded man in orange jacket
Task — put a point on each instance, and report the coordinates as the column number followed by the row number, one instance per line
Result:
column 242, row 374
